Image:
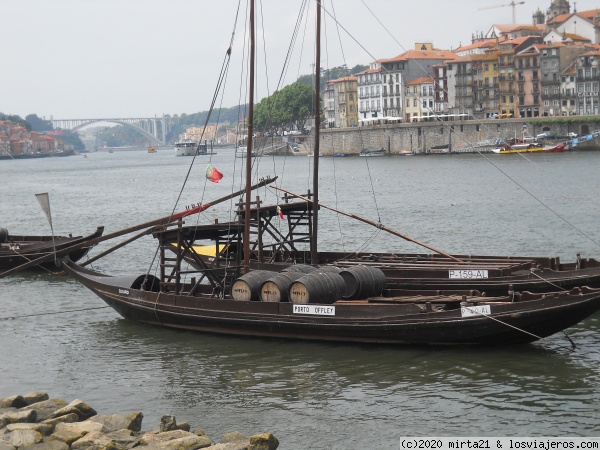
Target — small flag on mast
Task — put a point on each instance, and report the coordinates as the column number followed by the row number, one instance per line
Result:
column 213, row 174
column 44, row 201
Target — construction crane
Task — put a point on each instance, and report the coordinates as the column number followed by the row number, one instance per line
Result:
column 512, row 3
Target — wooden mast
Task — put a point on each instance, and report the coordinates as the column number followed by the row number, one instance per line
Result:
column 249, row 145
column 314, row 255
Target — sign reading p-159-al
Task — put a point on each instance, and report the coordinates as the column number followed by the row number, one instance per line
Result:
column 467, row 273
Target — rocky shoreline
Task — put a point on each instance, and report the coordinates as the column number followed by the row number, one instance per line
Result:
column 36, row 422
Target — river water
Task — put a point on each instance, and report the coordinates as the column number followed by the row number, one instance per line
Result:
column 58, row 337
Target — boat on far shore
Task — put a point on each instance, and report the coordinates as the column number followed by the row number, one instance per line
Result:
column 37, row 154
column 372, row 152
column 186, row 147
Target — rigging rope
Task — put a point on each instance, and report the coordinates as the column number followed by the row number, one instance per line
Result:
column 514, row 327
column 53, row 313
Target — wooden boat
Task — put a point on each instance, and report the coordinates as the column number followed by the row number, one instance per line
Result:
column 372, row 152
column 532, row 147
column 555, row 148
column 151, row 149
column 16, row 250
column 391, row 319
column 351, row 303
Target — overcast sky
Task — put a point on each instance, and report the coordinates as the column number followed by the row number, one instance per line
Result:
column 70, row 59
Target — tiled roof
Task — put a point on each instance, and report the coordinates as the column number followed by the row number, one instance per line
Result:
column 422, row 80
column 422, row 54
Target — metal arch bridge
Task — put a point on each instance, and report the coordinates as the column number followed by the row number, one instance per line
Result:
column 153, row 128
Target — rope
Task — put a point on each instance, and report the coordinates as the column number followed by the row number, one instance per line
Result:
column 549, row 282
column 29, row 260
column 470, row 308
column 53, row 313
column 573, row 346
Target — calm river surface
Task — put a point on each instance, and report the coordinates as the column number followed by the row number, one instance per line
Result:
column 58, row 337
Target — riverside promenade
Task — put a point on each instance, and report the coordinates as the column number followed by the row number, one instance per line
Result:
column 462, row 135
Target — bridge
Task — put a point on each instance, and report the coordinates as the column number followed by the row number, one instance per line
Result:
column 155, row 129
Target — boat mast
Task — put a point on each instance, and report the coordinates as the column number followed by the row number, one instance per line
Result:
column 249, row 146
column 314, row 255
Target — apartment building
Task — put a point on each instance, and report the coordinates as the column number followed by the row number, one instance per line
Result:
column 555, row 57
column 419, row 98
column 410, row 65
column 370, row 89
column 341, row 102
column 527, row 70
column 588, row 79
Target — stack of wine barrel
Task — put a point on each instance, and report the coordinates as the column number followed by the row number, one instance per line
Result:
column 308, row 284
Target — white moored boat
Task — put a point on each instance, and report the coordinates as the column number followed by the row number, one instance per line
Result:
column 186, row 148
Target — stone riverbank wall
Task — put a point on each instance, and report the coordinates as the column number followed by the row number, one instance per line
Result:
column 431, row 137
column 37, row 422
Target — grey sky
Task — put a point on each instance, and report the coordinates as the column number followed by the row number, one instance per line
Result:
column 144, row 58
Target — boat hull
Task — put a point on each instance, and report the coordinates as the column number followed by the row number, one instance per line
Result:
column 351, row 321
column 19, row 250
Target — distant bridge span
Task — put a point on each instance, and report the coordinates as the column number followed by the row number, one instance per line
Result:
column 154, row 129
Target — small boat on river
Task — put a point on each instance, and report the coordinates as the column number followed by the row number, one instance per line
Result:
column 19, row 249
column 372, row 152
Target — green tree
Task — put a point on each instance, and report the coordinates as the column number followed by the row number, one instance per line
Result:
column 71, row 138
column 289, row 108
column 16, row 119
column 39, row 124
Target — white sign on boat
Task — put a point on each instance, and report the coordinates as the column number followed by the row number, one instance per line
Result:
column 318, row 310
column 468, row 311
column 467, row 273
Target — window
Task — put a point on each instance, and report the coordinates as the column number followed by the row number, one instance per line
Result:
column 415, row 102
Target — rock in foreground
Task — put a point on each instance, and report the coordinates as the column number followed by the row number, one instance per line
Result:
column 36, row 422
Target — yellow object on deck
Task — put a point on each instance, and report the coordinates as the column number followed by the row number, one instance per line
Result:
column 207, row 250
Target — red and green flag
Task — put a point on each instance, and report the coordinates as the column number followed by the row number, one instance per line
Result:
column 213, row 174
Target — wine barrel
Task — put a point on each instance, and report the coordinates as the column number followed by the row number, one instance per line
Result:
column 3, row 235
column 317, row 287
column 247, row 287
column 276, row 288
column 362, row 282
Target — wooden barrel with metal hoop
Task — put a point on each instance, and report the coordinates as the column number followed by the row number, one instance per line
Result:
column 317, row 287
column 247, row 287
column 362, row 282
